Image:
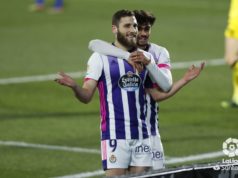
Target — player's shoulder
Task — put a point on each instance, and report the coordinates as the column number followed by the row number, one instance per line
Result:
column 153, row 45
column 100, row 55
column 96, row 55
column 156, row 47
column 95, row 58
column 158, row 51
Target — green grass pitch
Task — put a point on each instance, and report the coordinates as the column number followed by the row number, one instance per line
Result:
column 192, row 122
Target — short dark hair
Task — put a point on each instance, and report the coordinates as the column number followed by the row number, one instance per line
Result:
column 144, row 17
column 119, row 14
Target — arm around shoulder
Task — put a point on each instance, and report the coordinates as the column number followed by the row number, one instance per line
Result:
column 106, row 48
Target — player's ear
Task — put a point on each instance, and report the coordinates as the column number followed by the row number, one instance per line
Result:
column 114, row 29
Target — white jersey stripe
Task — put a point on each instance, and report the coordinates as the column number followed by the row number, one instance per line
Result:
column 109, row 99
column 138, row 113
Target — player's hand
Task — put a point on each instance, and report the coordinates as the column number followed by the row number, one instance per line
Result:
column 138, row 67
column 137, row 60
column 139, row 57
column 65, row 80
column 193, row 72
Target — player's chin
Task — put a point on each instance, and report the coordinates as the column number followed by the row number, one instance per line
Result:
column 142, row 42
column 132, row 41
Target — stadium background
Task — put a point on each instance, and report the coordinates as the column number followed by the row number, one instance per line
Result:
column 33, row 44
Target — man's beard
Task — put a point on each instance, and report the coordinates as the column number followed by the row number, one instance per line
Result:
column 125, row 42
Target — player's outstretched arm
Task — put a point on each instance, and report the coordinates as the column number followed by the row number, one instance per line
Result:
column 83, row 94
column 192, row 73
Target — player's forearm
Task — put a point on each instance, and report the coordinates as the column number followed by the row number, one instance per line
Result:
column 106, row 48
column 161, row 77
column 175, row 88
column 83, row 95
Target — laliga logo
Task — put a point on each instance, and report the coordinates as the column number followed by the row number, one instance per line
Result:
column 230, row 147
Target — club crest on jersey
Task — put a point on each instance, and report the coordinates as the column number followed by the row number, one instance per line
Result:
column 130, row 81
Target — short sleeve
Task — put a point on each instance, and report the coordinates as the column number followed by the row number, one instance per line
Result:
column 164, row 59
column 94, row 67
